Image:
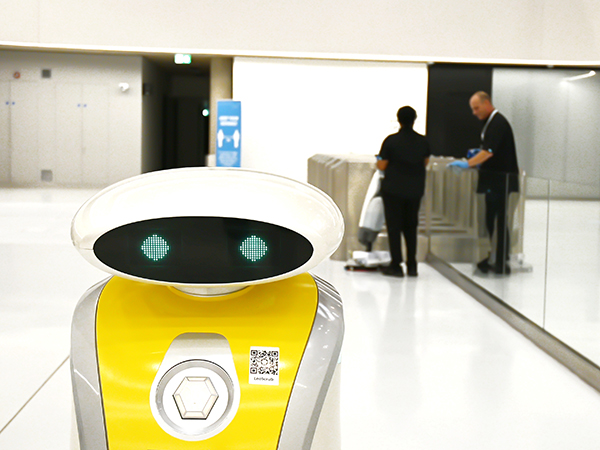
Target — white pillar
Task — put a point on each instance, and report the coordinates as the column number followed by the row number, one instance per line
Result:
column 221, row 88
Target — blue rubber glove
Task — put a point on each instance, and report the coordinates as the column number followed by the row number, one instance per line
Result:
column 458, row 165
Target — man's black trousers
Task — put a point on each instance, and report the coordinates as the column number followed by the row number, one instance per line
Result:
column 496, row 215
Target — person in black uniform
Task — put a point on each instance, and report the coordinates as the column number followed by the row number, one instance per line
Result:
column 498, row 176
column 403, row 158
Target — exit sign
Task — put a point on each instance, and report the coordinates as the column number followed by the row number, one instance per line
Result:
column 183, row 58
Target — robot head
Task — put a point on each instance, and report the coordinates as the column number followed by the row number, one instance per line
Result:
column 207, row 230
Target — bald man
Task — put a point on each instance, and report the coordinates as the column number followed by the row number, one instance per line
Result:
column 498, row 176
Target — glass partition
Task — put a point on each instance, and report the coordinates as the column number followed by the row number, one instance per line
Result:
column 520, row 282
column 573, row 282
column 464, row 210
column 552, row 247
column 530, row 256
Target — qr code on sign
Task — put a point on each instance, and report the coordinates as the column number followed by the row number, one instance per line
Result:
column 264, row 365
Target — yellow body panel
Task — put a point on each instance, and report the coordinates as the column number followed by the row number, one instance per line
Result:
column 136, row 323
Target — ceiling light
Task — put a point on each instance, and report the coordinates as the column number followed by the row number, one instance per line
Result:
column 591, row 73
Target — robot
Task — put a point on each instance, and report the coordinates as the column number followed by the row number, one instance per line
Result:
column 210, row 333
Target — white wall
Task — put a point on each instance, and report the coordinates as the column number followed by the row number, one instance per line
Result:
column 50, row 129
column 555, row 30
column 221, row 80
column 293, row 109
column 555, row 122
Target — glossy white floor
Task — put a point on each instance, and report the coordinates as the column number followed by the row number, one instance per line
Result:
column 424, row 366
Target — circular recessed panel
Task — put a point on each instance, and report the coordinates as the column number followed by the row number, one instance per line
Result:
column 195, row 399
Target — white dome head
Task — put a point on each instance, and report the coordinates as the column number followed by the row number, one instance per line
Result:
column 207, row 230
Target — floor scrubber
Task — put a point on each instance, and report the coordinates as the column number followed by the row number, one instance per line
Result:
column 210, row 333
column 371, row 222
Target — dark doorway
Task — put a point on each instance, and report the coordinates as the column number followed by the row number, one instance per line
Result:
column 451, row 127
column 186, row 126
column 175, row 112
column 186, row 121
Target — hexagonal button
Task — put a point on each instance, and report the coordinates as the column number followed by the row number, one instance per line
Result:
column 195, row 397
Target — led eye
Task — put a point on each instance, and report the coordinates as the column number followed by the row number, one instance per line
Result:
column 155, row 247
column 253, row 248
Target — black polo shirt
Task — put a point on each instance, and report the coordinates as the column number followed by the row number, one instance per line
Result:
column 501, row 170
column 405, row 152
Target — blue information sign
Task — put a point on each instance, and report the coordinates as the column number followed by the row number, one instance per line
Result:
column 229, row 133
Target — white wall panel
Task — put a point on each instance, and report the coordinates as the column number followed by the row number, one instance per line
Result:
column 569, row 29
column 20, row 21
column 554, row 121
column 480, row 29
column 112, row 150
column 125, row 133
column 583, row 152
column 532, row 102
column 24, row 124
column 47, row 128
column 4, row 132
column 293, row 109
column 68, row 168
column 95, row 135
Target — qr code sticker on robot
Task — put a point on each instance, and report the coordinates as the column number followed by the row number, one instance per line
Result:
column 264, row 366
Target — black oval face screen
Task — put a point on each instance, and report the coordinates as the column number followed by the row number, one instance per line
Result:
column 203, row 250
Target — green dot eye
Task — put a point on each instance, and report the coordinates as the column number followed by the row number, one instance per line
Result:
column 253, row 248
column 155, row 247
